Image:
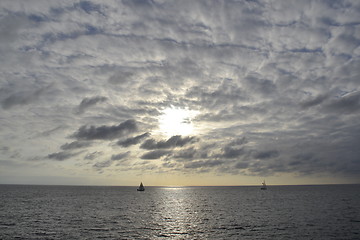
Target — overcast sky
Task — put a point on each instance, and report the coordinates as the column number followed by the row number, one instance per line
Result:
column 179, row 92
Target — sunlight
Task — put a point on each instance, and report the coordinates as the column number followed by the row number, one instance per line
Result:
column 177, row 121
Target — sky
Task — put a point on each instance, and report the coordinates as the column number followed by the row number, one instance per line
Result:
column 191, row 92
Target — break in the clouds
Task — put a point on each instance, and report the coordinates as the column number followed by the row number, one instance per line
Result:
column 186, row 88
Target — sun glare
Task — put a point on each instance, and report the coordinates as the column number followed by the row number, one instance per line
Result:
column 177, row 121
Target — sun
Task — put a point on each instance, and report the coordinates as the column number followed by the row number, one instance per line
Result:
column 177, row 121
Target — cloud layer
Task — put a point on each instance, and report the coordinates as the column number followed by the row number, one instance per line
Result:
column 275, row 86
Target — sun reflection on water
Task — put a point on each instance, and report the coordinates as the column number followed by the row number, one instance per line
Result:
column 176, row 212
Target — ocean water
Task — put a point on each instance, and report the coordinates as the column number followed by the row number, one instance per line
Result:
column 79, row 212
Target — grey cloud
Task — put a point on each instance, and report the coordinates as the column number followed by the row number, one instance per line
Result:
column 189, row 153
column 22, row 98
column 99, row 166
column 174, row 141
column 257, row 84
column 88, row 7
column 234, row 148
column 74, row 145
column 156, row 154
column 119, row 156
column 61, row 156
column 88, row 102
column 133, row 140
column 105, row 132
column 266, row 154
column 313, row 102
column 241, row 165
column 10, row 26
column 202, row 164
column 122, row 77
column 104, row 164
column 93, row 155
column 347, row 104
column 226, row 93
column 233, row 152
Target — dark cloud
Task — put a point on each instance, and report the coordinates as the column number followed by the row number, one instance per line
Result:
column 348, row 104
column 266, row 154
column 234, row 148
column 119, row 156
column 133, row 140
column 233, row 152
column 241, row 165
column 189, row 153
column 75, row 145
column 88, row 6
column 156, row 154
column 61, row 156
column 105, row 132
column 174, row 141
column 88, row 102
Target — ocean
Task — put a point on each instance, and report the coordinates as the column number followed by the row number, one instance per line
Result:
column 85, row 212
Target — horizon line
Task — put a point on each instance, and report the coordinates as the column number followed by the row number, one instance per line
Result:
column 179, row 186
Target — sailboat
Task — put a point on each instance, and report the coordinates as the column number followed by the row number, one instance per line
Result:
column 263, row 186
column 141, row 187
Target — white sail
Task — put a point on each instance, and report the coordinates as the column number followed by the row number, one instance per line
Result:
column 263, row 186
column 141, row 187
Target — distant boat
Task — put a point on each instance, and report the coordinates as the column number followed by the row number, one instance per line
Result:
column 263, row 186
column 141, row 187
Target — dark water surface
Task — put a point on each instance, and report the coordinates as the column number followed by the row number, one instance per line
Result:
column 281, row 212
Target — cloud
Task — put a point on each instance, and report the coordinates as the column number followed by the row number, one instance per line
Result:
column 88, row 7
column 104, row 164
column 313, row 102
column 119, row 156
column 132, row 140
column 74, row 145
column 22, row 98
column 88, row 102
column 234, row 149
column 100, row 166
column 174, row 141
column 189, row 153
column 266, row 154
column 275, row 86
column 61, row 156
column 105, row 132
column 202, row 164
column 348, row 104
column 156, row 154
column 93, row 155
